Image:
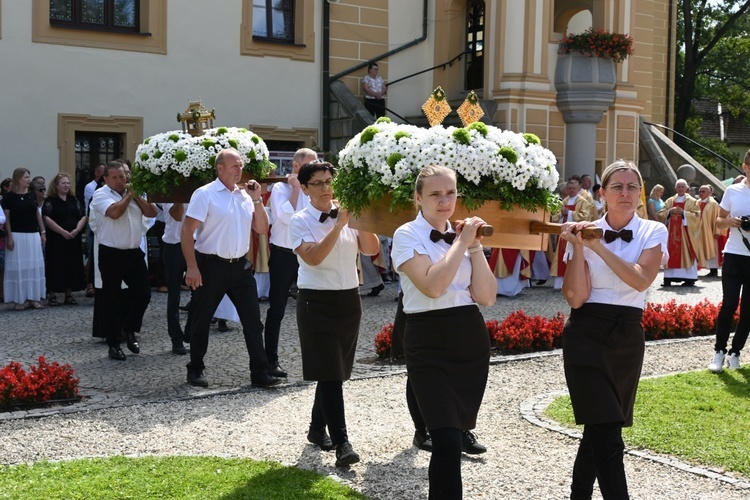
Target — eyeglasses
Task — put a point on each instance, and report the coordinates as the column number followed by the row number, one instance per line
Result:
column 619, row 188
column 320, row 184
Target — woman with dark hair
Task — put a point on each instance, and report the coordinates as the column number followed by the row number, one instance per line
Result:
column 65, row 218
column 605, row 285
column 444, row 276
column 24, row 281
column 328, row 303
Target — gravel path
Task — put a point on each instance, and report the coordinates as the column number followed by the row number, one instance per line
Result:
column 524, row 460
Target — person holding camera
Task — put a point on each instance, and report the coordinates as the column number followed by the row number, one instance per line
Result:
column 735, row 272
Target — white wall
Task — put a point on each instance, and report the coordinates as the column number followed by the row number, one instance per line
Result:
column 405, row 24
column 38, row 81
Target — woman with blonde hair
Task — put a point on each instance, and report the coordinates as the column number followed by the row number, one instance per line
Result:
column 24, row 281
column 655, row 203
column 445, row 277
column 65, row 218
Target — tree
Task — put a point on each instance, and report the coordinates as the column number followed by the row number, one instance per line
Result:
column 714, row 36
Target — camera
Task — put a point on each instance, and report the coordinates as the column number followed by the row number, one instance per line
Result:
column 745, row 222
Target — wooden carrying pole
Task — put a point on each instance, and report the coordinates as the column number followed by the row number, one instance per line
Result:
column 553, row 228
column 483, row 230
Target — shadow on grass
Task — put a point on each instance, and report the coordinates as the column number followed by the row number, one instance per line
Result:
column 286, row 483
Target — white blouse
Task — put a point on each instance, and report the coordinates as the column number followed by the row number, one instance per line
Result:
column 606, row 286
column 736, row 201
column 338, row 271
column 414, row 238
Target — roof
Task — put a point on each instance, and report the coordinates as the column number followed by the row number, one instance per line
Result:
column 736, row 128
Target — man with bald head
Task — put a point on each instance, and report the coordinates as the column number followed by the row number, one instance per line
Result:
column 682, row 215
column 220, row 214
column 286, row 200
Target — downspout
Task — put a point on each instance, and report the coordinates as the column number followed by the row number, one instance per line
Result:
column 326, row 98
column 667, row 118
column 327, row 80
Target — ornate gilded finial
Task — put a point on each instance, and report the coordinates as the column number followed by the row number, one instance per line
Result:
column 436, row 108
column 196, row 119
column 470, row 111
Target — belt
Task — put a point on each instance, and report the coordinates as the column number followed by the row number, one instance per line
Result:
column 231, row 261
column 283, row 249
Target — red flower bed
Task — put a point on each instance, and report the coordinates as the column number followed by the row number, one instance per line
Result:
column 45, row 382
column 522, row 333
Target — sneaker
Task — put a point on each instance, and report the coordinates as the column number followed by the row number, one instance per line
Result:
column 470, row 445
column 733, row 360
column 717, row 364
column 320, row 438
column 345, row 455
column 422, row 440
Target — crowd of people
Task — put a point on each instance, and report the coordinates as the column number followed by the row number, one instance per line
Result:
column 444, row 276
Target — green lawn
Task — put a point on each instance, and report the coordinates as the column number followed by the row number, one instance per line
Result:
column 699, row 417
column 167, row 477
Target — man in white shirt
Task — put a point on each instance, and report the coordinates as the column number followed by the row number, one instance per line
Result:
column 286, row 200
column 220, row 214
column 88, row 190
column 120, row 228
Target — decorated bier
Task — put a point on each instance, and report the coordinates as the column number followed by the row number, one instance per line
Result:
column 504, row 177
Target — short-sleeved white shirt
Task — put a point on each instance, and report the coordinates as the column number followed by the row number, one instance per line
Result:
column 736, row 201
column 414, row 238
column 123, row 233
column 172, row 227
column 606, row 286
column 282, row 212
column 338, row 271
column 226, row 217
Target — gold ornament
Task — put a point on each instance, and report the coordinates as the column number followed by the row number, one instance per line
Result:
column 436, row 108
column 470, row 111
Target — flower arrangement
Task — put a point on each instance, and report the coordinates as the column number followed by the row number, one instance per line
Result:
column 522, row 333
column 490, row 164
column 44, row 382
column 598, row 43
column 165, row 160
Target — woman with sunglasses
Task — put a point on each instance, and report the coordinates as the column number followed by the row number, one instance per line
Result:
column 328, row 303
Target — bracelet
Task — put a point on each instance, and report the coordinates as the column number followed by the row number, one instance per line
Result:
column 255, row 202
column 42, row 232
column 475, row 249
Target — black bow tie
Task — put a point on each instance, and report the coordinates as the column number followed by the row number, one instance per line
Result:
column 625, row 234
column 436, row 236
column 332, row 214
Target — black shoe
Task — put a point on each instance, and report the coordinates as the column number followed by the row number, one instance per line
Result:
column 265, row 381
column 132, row 343
column 178, row 347
column 196, row 378
column 667, row 282
column 320, row 438
column 713, row 272
column 422, row 440
column 376, row 291
column 541, row 282
column 345, row 455
column 688, row 283
column 116, row 353
column 186, row 307
column 223, row 327
column 275, row 370
column 470, row 445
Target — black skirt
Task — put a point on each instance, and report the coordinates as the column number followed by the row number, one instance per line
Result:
column 448, row 358
column 328, row 325
column 603, row 348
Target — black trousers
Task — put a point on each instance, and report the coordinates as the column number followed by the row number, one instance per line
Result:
column 117, row 266
column 600, row 458
column 328, row 410
column 235, row 279
column 735, row 278
column 445, row 465
column 174, row 268
column 375, row 106
column 282, row 268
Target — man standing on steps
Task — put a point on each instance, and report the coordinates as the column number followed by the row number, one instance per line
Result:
column 220, row 215
column 286, row 200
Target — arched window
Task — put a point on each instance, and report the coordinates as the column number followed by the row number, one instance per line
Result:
column 474, row 45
